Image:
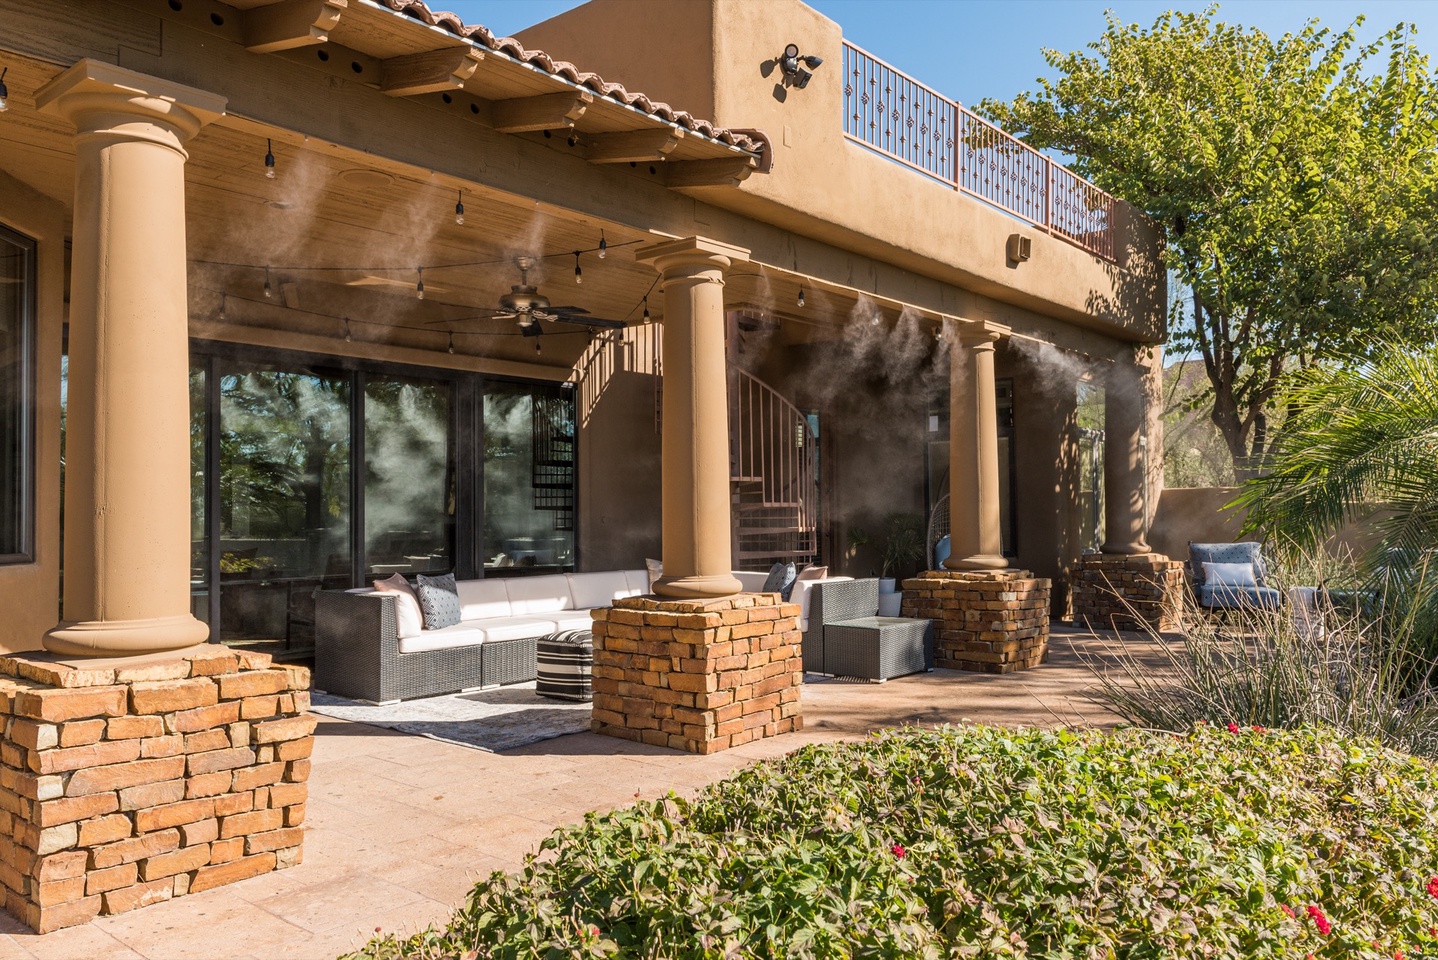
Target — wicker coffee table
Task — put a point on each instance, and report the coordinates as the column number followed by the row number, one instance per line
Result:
column 878, row 648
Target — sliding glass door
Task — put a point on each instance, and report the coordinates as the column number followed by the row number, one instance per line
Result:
column 410, row 476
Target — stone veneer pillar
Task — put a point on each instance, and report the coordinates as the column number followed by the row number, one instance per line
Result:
column 994, row 621
column 697, row 548
column 1128, row 592
column 127, row 488
column 697, row 675
column 974, row 530
column 129, row 781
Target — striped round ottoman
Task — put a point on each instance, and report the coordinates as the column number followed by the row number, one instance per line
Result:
column 565, row 661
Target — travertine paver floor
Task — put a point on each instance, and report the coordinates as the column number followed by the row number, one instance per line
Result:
column 400, row 827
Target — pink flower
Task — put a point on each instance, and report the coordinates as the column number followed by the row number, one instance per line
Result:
column 1233, row 728
column 1319, row 920
column 1286, row 909
column 898, row 850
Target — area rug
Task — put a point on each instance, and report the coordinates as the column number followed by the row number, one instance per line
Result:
column 498, row 719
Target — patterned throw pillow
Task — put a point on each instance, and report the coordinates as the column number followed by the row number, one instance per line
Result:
column 780, row 580
column 438, row 600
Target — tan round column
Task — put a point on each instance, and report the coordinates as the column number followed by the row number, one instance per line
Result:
column 974, row 530
column 695, row 438
column 127, row 479
column 1123, row 479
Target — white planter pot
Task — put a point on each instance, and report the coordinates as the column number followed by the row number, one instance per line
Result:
column 890, row 604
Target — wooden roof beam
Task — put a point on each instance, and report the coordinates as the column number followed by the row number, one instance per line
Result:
column 552, row 111
column 433, row 71
column 290, row 24
column 710, row 173
column 632, row 146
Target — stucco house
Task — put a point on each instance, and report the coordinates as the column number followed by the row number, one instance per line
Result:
column 317, row 291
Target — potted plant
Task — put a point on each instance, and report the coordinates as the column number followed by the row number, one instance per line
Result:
column 900, row 548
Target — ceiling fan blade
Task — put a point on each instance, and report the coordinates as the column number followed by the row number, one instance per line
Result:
column 599, row 322
column 484, row 314
column 566, row 310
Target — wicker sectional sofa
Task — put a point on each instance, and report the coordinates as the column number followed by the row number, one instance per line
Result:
column 360, row 654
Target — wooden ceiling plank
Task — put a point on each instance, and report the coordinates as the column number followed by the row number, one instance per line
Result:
column 290, row 24
column 710, row 173
column 552, row 111
column 434, row 71
column 633, row 146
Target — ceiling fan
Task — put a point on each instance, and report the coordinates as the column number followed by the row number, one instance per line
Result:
column 527, row 306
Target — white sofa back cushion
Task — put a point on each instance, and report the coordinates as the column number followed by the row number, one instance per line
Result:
column 638, row 581
column 483, row 599
column 532, row 595
column 596, row 589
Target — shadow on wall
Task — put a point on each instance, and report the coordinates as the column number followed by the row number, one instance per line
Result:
column 1193, row 514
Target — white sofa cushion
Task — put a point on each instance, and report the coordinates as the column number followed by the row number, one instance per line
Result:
column 515, row 628
column 409, row 619
column 571, row 620
column 481, row 599
column 638, row 581
column 753, row 581
column 529, row 596
column 458, row 635
column 596, row 589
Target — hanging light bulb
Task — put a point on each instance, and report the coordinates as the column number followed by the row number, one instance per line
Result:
column 578, row 270
column 419, row 287
column 801, row 296
column 451, row 341
column 603, row 246
column 223, row 298
column 349, row 337
column 269, row 159
column 537, row 348
column 4, row 91
column 459, row 208
column 646, row 308
column 269, row 290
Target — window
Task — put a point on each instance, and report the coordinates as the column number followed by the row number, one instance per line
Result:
column 528, row 477
column 17, row 398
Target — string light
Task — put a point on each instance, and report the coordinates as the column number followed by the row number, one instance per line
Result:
column 419, row 287
column 801, row 296
column 646, row 308
column 269, row 290
column 4, row 91
column 603, row 246
column 269, row 159
column 536, row 347
column 223, row 298
column 459, row 208
column 578, row 270
column 349, row 337
column 451, row 341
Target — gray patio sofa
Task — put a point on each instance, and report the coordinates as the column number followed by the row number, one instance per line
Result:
column 360, row 654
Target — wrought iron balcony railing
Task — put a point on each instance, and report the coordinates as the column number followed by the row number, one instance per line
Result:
column 895, row 115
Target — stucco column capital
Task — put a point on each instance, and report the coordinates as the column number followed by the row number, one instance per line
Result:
column 975, row 334
column 690, row 256
column 104, row 100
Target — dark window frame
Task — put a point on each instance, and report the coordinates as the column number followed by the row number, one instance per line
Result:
column 26, row 401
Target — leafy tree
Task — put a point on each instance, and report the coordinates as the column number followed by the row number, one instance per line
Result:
column 1292, row 180
column 1361, row 444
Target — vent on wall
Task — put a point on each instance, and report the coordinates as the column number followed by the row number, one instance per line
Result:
column 1020, row 247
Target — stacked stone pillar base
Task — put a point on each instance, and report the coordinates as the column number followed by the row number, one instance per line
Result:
column 991, row 621
column 130, row 781
column 697, row 675
column 1128, row 592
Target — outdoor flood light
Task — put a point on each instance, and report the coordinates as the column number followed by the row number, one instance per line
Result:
column 793, row 72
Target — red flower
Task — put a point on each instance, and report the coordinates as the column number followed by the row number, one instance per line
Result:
column 898, row 850
column 1286, row 909
column 1319, row 920
column 1233, row 728
column 1258, row 729
column 1397, row 955
column 1433, row 887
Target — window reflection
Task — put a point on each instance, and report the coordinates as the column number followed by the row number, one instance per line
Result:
column 409, row 476
column 528, row 478
column 17, row 387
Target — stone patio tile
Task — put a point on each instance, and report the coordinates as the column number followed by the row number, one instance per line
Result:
column 203, row 926
column 344, row 902
column 87, row 942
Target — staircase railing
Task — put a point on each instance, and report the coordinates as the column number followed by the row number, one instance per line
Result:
column 772, row 452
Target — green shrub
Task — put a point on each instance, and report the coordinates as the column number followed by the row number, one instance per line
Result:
column 984, row 842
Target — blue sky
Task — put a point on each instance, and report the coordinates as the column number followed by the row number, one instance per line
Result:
column 974, row 49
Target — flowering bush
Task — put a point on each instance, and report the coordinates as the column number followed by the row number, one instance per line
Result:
column 984, row 842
